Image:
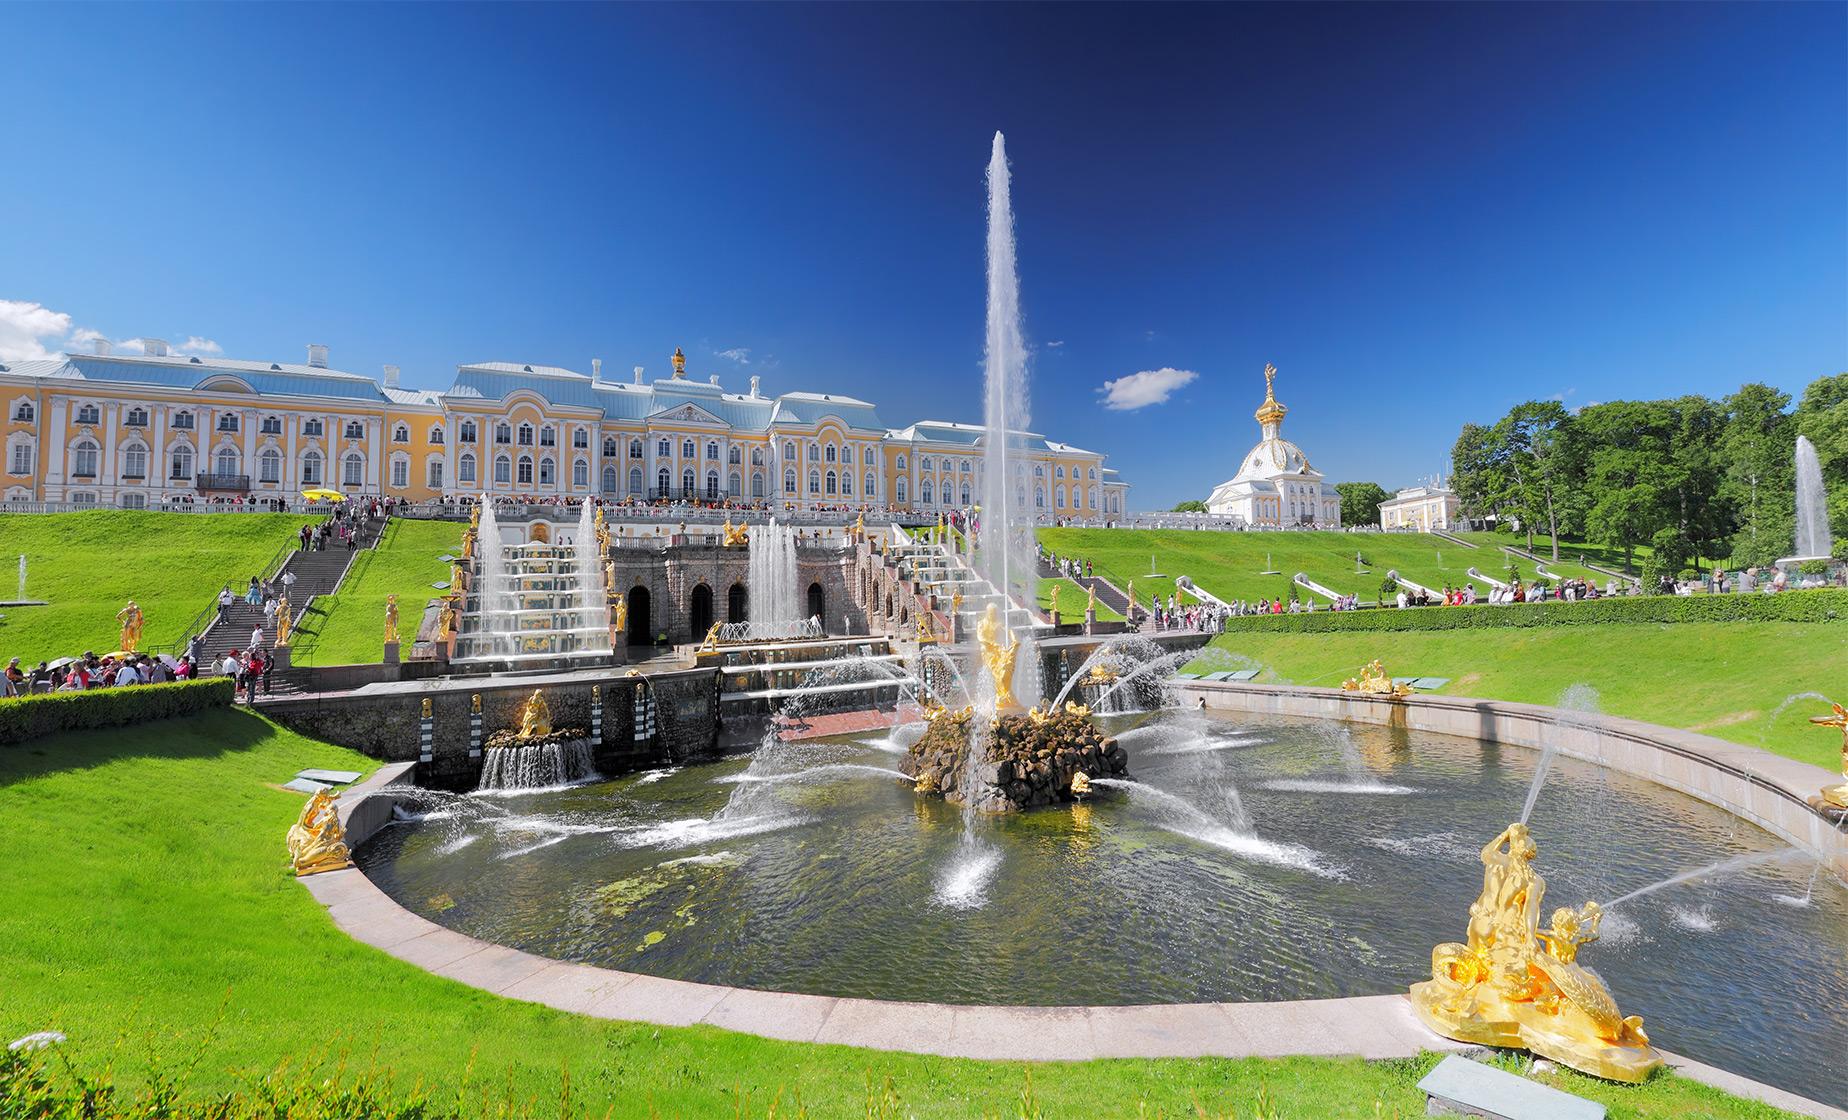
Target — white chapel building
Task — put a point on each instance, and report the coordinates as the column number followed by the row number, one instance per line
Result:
column 1275, row 484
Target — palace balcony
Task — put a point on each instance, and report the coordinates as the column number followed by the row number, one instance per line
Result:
column 235, row 482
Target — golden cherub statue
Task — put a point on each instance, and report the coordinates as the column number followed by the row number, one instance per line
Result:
column 999, row 658
column 391, row 620
column 131, row 620
column 734, row 537
column 535, row 717
column 1836, row 796
column 1512, row 984
column 316, row 841
column 1374, row 681
column 284, row 627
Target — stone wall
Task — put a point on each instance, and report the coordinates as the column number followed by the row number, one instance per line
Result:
column 670, row 575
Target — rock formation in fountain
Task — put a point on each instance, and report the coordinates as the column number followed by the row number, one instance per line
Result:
column 1020, row 761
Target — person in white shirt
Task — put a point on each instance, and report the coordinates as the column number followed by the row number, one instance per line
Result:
column 256, row 637
column 232, row 666
column 126, row 675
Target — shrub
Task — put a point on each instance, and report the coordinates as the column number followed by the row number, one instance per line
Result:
column 1814, row 567
column 1789, row 606
column 1840, row 551
column 29, row 717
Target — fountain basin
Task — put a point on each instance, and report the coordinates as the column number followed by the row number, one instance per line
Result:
column 1023, row 762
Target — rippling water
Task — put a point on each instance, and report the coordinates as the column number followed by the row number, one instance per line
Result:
column 1362, row 853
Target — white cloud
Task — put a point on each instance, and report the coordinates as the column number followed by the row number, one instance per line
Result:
column 739, row 354
column 1056, row 343
column 25, row 327
column 1139, row 390
column 196, row 345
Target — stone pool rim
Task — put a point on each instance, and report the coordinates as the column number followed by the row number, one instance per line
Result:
column 1752, row 784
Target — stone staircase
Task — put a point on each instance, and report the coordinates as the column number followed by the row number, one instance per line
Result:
column 1109, row 594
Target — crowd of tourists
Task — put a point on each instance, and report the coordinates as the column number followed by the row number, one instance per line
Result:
column 76, row 674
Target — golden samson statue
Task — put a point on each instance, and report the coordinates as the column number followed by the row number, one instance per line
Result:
column 1515, row 985
column 535, row 717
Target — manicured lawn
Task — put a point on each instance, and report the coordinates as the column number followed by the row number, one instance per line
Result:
column 1721, row 679
column 88, row 565
column 146, row 906
column 1072, row 601
column 1228, row 564
column 405, row 564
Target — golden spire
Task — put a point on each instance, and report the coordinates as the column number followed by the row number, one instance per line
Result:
column 1270, row 412
column 680, row 364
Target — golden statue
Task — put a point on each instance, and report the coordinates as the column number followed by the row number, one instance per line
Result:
column 680, row 363
column 1129, row 592
column 446, row 620
column 711, row 643
column 316, row 841
column 1078, row 711
column 1090, row 599
column 1054, row 608
column 535, row 717
column 859, row 528
column 956, row 602
column 391, row 620
column 468, row 544
column 1038, row 717
column 458, row 580
column 1374, row 682
column 1517, row 986
column 474, row 515
column 609, row 576
column 999, row 658
column 597, row 517
column 1081, row 785
column 130, row 618
column 927, row 632
column 735, row 537
column 619, row 613
column 284, row 628
column 542, row 533
column 1101, row 674
column 1836, row 796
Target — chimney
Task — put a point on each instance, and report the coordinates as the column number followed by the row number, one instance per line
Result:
column 596, row 369
column 638, row 375
column 102, row 347
column 391, row 377
column 754, row 380
column 317, row 355
column 153, row 347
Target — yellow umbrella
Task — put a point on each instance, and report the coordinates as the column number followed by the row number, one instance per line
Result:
column 324, row 495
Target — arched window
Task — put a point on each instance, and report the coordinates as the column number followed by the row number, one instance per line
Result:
column 965, row 494
column 757, row 484
column 814, row 452
column 661, row 483
column 269, row 466
column 400, row 433
column 712, row 450
column 88, row 414
column 734, row 485
column 789, row 450
column 609, row 449
column 465, row 469
column 1039, row 470
column 400, row 472
column 828, row 453
column 23, row 412
column 1039, row 497
column 901, row 460
column 833, row 483
column 183, row 421
column 180, row 460
column 635, row 449
column 965, row 466
column 523, row 471
column 712, row 486
column 503, row 470
column 1093, row 478
column 686, row 483
column 925, row 491
column 734, row 455
column 353, row 470
column 687, row 450
column 548, row 437
column 21, row 459
column 580, row 439
column 1093, row 502
column 1058, row 495
column 311, row 468
column 436, row 435
column 433, row 473
column 525, row 435
column 847, row 482
column 757, row 456
column 635, row 481
column 503, row 433
column 899, row 492
column 138, row 418
column 871, row 489
column 227, row 421
column 468, row 431
column 580, row 473
column 664, row 448
column 814, row 482
column 546, row 472
column 789, row 481
column 226, row 461
column 924, row 463
column 354, row 430
column 135, row 462
column 609, row 480
column 1020, row 495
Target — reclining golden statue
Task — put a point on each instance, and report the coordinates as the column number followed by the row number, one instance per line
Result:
column 1374, row 681
column 1836, row 797
column 316, row 841
column 1515, row 985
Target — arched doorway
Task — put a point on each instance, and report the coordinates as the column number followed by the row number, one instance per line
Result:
column 699, row 611
column 738, row 604
column 641, row 621
column 817, row 603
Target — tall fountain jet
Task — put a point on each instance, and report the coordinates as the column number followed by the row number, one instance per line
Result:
column 1007, row 558
column 1812, row 505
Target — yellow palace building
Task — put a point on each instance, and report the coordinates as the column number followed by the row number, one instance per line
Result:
column 154, row 429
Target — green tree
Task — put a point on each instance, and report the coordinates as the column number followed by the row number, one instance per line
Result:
column 1628, row 473
column 1191, row 505
column 1822, row 415
column 1477, row 472
column 1360, row 502
column 1759, row 485
column 1540, row 450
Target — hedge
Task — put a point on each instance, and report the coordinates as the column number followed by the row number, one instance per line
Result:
column 29, row 717
column 1786, row 606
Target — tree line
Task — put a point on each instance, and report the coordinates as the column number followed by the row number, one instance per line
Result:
column 1693, row 478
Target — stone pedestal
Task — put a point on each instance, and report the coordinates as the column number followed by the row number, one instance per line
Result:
column 1090, row 621
column 619, row 653
column 280, row 656
column 391, row 653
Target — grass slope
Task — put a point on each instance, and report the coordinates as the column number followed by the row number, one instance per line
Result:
column 88, row 565
column 1072, row 600
column 147, row 905
column 1721, row 679
column 405, row 564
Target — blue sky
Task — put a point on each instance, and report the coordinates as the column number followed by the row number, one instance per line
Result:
column 1420, row 214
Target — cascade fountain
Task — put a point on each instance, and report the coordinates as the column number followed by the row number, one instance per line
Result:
column 537, row 602
column 1812, row 540
column 776, row 610
column 535, row 756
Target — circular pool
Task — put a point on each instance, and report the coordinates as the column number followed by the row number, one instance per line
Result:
column 1250, row 859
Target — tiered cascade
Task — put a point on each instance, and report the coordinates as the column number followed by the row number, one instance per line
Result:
column 535, row 602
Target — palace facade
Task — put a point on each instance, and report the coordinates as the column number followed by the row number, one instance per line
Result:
column 146, row 430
